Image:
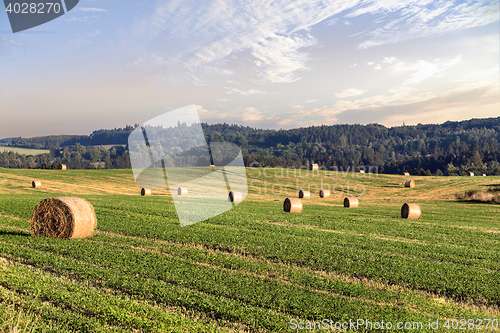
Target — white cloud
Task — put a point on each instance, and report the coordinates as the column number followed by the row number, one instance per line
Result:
column 81, row 19
column 278, row 34
column 378, row 67
column 311, row 100
column 275, row 34
column 350, row 93
column 79, row 42
column 353, row 65
column 241, row 92
column 93, row 10
column 422, row 69
column 246, row 116
column 410, row 19
column 94, row 33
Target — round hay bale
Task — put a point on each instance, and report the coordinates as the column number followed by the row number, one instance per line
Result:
column 411, row 211
column 484, row 175
column 292, row 205
column 235, row 196
column 64, row 167
column 36, row 183
column 410, row 183
column 471, row 174
column 182, row 191
column 146, row 192
column 406, row 173
column 314, row 167
column 324, row 193
column 65, row 217
column 351, row 202
column 304, row 194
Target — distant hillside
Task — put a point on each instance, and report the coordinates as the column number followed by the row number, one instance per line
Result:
column 449, row 148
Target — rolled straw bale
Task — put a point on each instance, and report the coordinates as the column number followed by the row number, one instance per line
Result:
column 484, row 175
column 146, row 192
column 292, row 205
column 182, row 191
column 64, row 217
column 235, row 196
column 411, row 211
column 351, row 202
column 324, row 193
column 406, row 173
column 63, row 167
column 304, row 194
column 361, row 171
column 314, row 167
column 36, row 183
column 410, row 183
column 471, row 174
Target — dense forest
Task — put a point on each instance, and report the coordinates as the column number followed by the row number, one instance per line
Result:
column 452, row 148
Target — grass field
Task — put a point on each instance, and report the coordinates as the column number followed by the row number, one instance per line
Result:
column 253, row 268
column 24, row 151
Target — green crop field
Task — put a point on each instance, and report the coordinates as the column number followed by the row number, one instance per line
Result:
column 254, row 268
column 24, row 151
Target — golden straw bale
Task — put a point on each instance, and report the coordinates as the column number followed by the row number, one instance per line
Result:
column 304, row 194
column 351, row 202
column 292, row 205
column 64, row 217
column 410, row 183
column 324, row 193
column 235, row 196
column 411, row 211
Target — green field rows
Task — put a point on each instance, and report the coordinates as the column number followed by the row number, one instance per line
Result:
column 253, row 268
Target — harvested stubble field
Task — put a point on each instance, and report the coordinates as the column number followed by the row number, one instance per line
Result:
column 253, row 268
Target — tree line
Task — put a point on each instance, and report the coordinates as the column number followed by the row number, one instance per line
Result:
column 452, row 148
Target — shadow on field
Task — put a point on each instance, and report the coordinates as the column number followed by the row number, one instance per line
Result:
column 14, row 233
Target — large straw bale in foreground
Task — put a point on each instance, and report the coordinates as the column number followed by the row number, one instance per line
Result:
column 64, row 217
column 411, row 211
column 351, row 202
column 304, row 194
column 410, row 183
column 292, row 205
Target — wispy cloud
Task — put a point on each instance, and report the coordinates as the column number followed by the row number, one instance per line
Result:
column 93, row 10
column 278, row 34
column 247, row 115
column 350, row 93
column 408, row 19
column 422, row 69
column 81, row 19
column 94, row 33
column 242, row 92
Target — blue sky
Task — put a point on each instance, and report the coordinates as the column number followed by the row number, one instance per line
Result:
column 284, row 64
